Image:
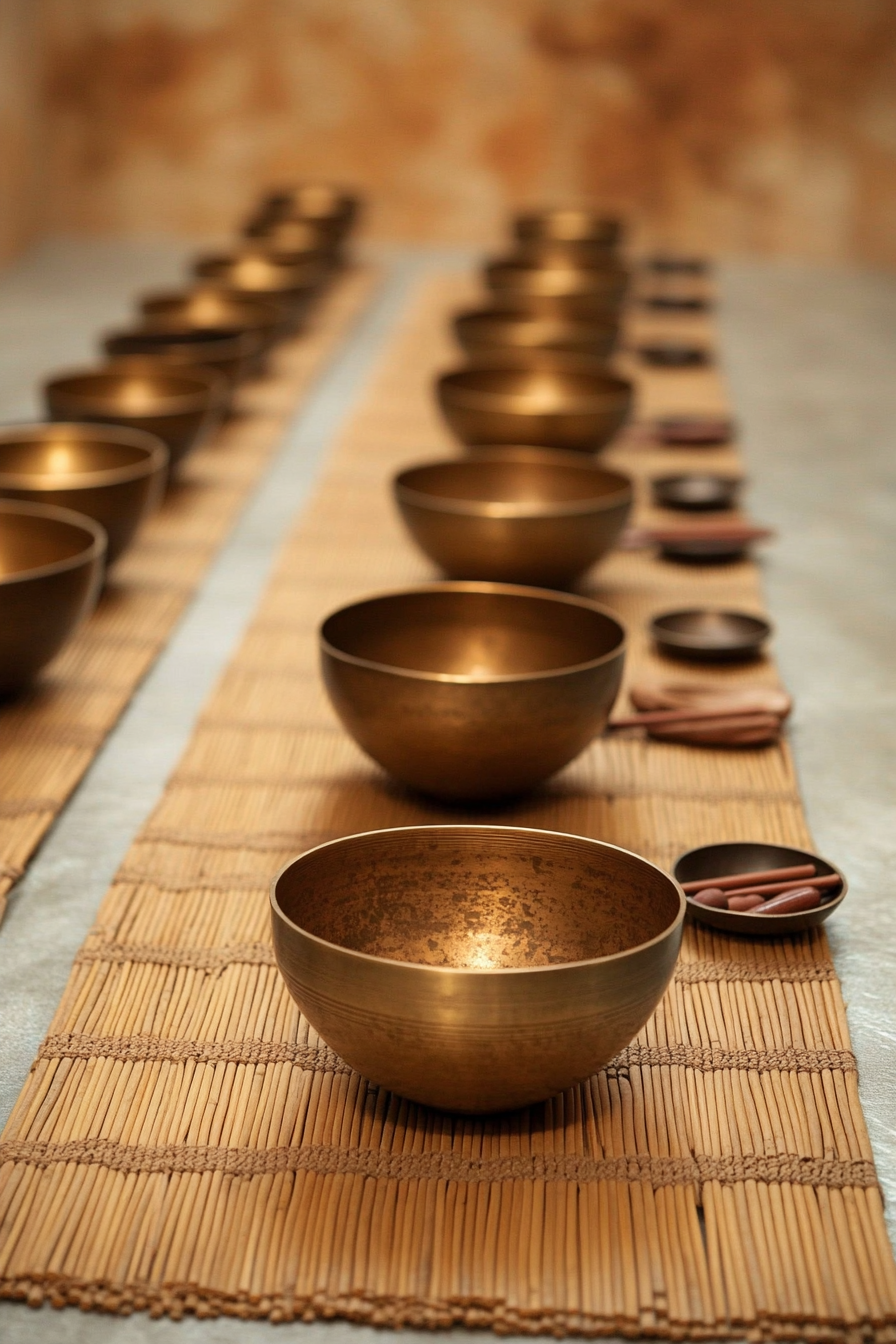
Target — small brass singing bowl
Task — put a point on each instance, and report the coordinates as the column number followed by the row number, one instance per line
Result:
column 706, row 635
column 485, row 331
column 180, row 405
column 579, row 254
column 568, row 225
column 548, row 406
column 228, row 350
column 252, row 270
column 530, row 515
column 210, row 307
column 472, row 691
column 475, row 968
column 51, row 569
column 512, row 277
column 112, row 474
column 331, row 208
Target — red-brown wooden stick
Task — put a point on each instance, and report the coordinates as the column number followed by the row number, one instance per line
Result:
column 750, row 879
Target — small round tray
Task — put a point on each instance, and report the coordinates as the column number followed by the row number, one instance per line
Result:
column 700, row 552
column 743, row 856
column 705, row 634
column 694, row 431
column 696, row 491
column 674, row 355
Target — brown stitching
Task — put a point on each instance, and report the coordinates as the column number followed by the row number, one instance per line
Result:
column 198, row 958
column 704, row 1058
column 775, row 1169
column 709, row 1059
column 140, row 1049
column 712, row 972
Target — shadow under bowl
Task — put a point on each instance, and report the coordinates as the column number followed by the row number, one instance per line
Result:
column 568, row 224
column 114, row 475
column 475, row 968
column 742, row 856
column 180, row 406
column 513, row 276
column 472, row 691
column 696, row 491
column 546, row 404
column 51, row 570
column 533, row 517
column 703, row 634
column 486, row 331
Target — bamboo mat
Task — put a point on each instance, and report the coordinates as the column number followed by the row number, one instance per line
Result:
column 186, row 1143
column 50, row 735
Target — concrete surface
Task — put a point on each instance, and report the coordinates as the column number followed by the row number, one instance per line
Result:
column 810, row 356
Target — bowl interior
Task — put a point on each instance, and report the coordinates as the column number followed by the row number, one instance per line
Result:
column 473, row 898
column 475, row 634
column 532, row 390
column 210, row 308
column 30, row 541
column 495, row 325
column 568, row 224
column 695, row 491
column 61, row 452
column 255, row 271
column 707, row 628
column 132, row 392
column 535, row 484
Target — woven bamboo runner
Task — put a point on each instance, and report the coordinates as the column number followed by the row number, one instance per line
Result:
column 185, row 1142
column 50, row 736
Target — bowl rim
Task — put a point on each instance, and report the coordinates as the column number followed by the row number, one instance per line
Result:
column 292, row 277
column 195, row 341
column 764, row 626
column 95, row 550
column 476, row 586
column 159, row 302
column 211, row 389
column 522, row 509
column 156, row 455
column 478, row 971
column 768, row 923
column 450, row 390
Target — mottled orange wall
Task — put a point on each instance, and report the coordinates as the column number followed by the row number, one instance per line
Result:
column 21, row 125
column 732, row 124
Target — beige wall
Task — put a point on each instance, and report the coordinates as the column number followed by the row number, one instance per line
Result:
column 733, row 124
column 21, row 125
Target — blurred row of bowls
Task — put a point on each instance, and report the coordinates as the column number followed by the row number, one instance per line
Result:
column 74, row 490
column 478, row 968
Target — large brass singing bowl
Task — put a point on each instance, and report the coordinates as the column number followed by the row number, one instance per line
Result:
column 472, row 690
column 550, row 406
column 228, row 350
column 252, row 270
column 568, row 225
column 51, row 569
column 486, row 331
column 113, row 475
column 515, row 276
column 529, row 515
column 181, row 406
column 475, row 968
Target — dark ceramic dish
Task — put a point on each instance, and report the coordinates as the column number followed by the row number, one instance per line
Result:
column 744, row 856
column 703, row 635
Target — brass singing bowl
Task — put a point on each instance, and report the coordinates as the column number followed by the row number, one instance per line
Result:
column 331, row 209
column 252, row 270
column 210, row 307
column 51, row 569
column 706, row 634
column 229, row 350
column 485, row 331
column 568, row 225
column 472, row 690
column 512, row 276
column 524, row 515
column 181, row 406
column 475, row 968
column 579, row 306
column 544, row 404
column 112, row 474
column 579, row 254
